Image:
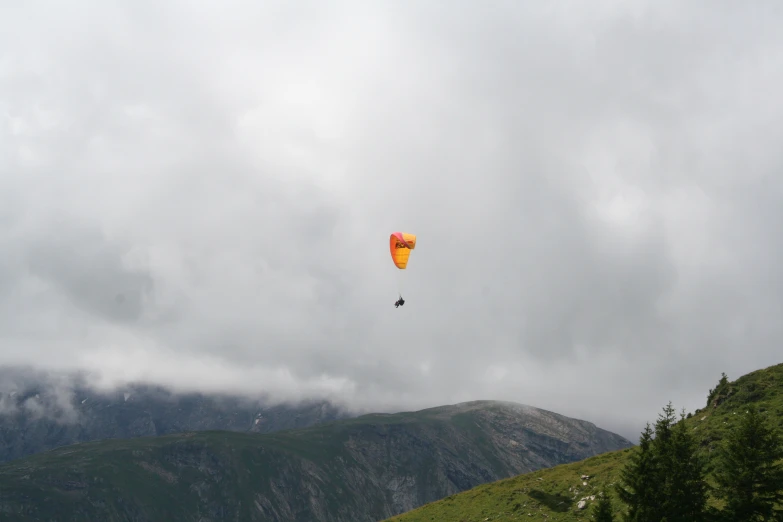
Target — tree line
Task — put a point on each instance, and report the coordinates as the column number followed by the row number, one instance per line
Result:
column 667, row 478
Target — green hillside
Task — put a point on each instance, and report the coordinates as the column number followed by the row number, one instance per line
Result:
column 555, row 493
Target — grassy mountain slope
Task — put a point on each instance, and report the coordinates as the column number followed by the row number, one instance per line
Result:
column 367, row 468
column 554, row 494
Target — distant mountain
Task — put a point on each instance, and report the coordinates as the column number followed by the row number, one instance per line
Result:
column 38, row 413
column 362, row 469
column 567, row 492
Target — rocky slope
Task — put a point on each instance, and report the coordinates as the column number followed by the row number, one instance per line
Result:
column 362, row 469
column 38, row 413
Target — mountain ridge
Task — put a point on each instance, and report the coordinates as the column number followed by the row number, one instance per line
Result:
column 364, row 468
column 39, row 413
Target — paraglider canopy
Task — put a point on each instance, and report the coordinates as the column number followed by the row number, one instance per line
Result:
column 400, row 245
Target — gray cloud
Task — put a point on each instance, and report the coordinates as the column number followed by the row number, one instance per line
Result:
column 202, row 197
column 89, row 270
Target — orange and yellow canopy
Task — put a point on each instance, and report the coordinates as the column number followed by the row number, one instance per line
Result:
column 400, row 245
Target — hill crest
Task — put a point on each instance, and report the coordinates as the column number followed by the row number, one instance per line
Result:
column 566, row 491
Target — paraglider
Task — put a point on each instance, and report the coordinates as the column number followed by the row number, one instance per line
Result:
column 400, row 246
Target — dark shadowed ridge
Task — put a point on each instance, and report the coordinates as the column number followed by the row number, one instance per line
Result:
column 361, row 469
column 39, row 412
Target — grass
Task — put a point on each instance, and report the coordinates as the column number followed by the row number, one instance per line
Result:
column 554, row 493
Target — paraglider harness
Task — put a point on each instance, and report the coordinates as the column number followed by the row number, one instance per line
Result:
column 399, row 302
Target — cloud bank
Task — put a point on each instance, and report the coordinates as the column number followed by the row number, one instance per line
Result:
column 201, row 196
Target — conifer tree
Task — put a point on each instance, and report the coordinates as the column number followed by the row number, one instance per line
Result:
column 639, row 479
column 686, row 488
column 748, row 477
column 664, row 479
column 682, row 485
column 721, row 388
column 602, row 512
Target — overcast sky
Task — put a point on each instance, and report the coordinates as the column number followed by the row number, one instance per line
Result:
column 201, row 195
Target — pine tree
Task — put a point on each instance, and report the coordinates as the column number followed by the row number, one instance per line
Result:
column 686, row 491
column 720, row 389
column 662, row 449
column 602, row 511
column 664, row 479
column 640, row 480
column 748, row 477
